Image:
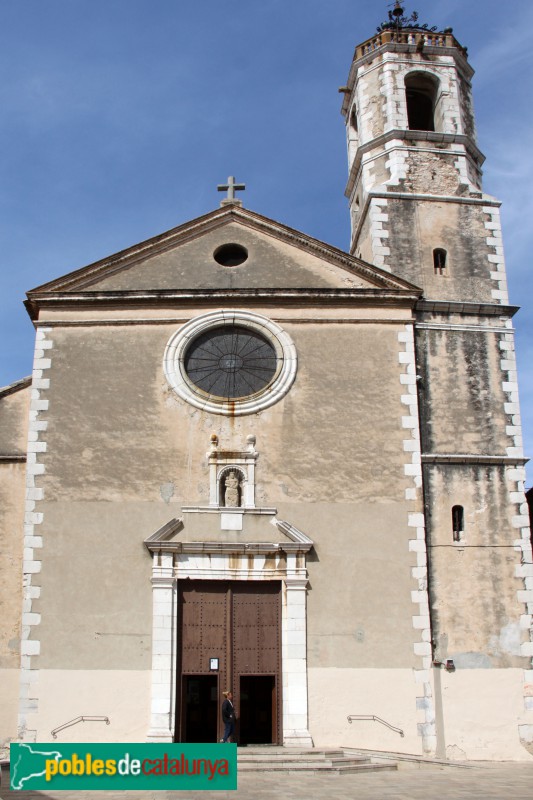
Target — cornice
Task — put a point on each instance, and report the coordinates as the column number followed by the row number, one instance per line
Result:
column 474, row 459
column 218, row 297
column 406, row 135
column 457, row 307
column 162, row 541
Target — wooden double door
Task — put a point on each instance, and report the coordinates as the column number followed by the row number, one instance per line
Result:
column 239, row 624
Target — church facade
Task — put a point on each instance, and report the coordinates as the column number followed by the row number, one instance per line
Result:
column 248, row 460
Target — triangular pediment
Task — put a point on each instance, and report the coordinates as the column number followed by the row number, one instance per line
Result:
column 199, row 531
column 183, row 260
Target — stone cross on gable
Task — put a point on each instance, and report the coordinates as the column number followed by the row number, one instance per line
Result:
column 231, row 187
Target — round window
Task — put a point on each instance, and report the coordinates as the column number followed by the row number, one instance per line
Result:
column 231, row 255
column 230, row 362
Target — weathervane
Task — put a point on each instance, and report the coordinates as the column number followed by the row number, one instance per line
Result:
column 398, row 20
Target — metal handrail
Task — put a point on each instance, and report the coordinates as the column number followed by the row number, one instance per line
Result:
column 75, row 722
column 375, row 719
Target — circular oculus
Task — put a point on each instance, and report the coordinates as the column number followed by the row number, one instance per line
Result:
column 230, row 362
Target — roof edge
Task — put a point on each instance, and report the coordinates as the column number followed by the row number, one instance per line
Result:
column 16, row 386
column 220, row 216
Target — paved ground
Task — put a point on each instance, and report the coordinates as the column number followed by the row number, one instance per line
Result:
column 490, row 780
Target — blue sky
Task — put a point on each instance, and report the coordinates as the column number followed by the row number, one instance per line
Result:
column 119, row 118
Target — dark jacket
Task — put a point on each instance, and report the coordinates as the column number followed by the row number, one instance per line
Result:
column 228, row 712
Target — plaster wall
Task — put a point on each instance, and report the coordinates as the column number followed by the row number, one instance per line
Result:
column 118, row 431
column 335, row 693
column 461, row 393
column 482, row 712
column 417, row 227
column 362, row 551
column 11, row 549
column 474, row 582
column 468, row 120
column 121, row 695
column 362, row 246
column 14, row 407
column 123, row 454
column 9, row 690
column 13, row 438
column 370, row 104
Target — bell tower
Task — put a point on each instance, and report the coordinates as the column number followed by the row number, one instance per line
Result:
column 418, row 210
column 414, row 187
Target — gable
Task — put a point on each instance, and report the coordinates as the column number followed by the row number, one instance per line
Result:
column 184, row 259
column 270, row 263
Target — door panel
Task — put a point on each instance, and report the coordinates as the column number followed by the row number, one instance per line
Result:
column 238, row 622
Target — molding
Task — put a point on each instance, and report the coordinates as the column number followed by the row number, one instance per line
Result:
column 474, row 309
column 168, row 569
column 241, row 461
column 407, row 135
column 225, row 509
column 295, row 534
column 482, row 200
column 429, row 326
column 92, row 323
column 402, row 295
column 471, row 458
column 163, row 534
column 162, row 540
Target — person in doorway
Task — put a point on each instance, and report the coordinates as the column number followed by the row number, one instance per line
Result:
column 228, row 717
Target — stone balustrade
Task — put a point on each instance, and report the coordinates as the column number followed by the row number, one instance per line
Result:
column 408, row 37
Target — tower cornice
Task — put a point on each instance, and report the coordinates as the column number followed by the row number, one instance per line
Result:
column 435, row 137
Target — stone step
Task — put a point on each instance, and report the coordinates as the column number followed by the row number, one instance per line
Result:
column 269, row 749
column 271, row 758
column 317, row 767
column 288, row 756
column 340, row 759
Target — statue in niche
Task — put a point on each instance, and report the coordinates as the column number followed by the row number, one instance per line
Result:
column 232, row 493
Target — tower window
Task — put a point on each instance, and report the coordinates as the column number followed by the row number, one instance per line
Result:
column 353, row 118
column 421, row 96
column 458, row 522
column 439, row 261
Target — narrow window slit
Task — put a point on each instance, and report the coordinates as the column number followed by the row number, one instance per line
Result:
column 458, row 522
column 439, row 261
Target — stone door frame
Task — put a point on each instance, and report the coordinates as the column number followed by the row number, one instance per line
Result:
column 174, row 559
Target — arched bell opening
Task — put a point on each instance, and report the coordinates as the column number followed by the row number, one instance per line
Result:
column 421, row 91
